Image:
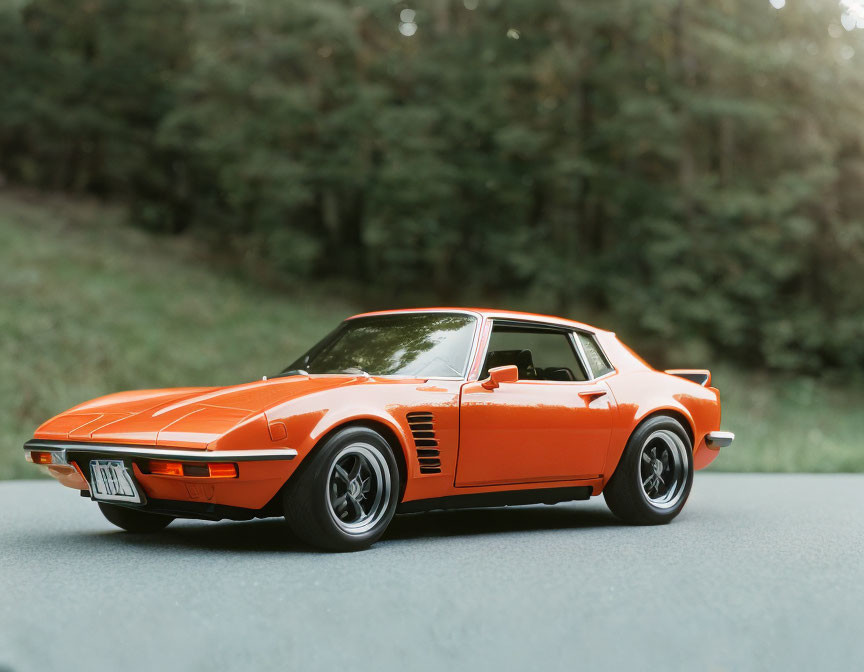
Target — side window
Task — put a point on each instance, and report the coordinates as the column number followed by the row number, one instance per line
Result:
column 540, row 354
column 596, row 359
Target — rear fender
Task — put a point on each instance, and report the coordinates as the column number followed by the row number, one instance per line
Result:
column 642, row 396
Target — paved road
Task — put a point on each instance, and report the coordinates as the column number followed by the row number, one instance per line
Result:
column 759, row 572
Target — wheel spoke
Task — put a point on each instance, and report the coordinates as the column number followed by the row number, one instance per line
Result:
column 342, row 474
column 355, row 505
column 340, row 503
column 645, row 458
column 355, row 470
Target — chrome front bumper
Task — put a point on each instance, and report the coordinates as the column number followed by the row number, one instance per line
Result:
column 719, row 439
column 60, row 449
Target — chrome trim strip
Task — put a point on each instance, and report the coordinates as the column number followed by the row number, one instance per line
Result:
column 475, row 346
column 719, row 439
column 475, row 350
column 58, row 455
column 580, row 354
column 62, row 448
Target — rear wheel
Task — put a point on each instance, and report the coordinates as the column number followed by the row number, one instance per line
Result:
column 134, row 520
column 655, row 474
column 345, row 498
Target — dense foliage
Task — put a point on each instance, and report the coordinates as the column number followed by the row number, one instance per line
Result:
column 688, row 169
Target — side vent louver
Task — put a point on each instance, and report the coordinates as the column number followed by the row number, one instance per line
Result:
column 423, row 429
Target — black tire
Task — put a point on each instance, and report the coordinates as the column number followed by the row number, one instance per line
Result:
column 646, row 488
column 134, row 520
column 327, row 508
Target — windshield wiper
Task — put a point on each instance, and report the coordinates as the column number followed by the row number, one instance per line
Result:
column 355, row 371
column 292, row 372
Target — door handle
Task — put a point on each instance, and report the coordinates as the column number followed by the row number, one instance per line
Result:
column 591, row 395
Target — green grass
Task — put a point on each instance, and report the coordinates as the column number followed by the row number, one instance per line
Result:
column 90, row 306
column 790, row 424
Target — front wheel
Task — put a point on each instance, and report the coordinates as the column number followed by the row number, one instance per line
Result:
column 345, row 498
column 654, row 476
column 134, row 520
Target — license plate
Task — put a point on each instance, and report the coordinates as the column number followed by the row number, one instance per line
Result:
column 111, row 481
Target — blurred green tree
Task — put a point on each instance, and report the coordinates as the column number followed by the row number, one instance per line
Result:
column 85, row 85
column 688, row 170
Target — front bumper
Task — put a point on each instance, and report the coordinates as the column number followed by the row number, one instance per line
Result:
column 260, row 473
column 719, row 439
column 60, row 451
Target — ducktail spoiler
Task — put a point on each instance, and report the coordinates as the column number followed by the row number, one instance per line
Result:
column 699, row 376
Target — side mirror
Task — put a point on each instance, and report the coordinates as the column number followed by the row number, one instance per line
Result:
column 501, row 374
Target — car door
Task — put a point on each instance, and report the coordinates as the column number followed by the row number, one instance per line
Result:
column 553, row 424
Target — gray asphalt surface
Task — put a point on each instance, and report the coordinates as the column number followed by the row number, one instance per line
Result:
column 759, row 572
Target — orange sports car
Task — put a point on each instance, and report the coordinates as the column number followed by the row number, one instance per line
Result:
column 399, row 411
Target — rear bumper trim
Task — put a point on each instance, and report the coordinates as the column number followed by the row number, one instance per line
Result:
column 61, row 449
column 719, row 439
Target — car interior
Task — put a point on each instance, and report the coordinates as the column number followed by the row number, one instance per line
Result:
column 544, row 355
column 524, row 361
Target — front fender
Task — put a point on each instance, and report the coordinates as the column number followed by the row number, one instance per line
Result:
column 335, row 419
column 302, row 423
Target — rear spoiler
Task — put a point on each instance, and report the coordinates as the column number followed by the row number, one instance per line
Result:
column 698, row 376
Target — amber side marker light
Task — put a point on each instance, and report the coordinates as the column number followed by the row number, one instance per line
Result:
column 208, row 470
column 39, row 457
column 166, row 468
column 222, row 470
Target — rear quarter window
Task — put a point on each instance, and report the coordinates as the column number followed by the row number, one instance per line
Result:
column 600, row 366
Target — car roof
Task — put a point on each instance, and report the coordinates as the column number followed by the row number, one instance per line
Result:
column 491, row 313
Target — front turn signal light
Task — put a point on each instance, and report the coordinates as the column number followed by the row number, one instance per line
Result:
column 195, row 470
column 166, row 468
column 222, row 470
column 40, row 457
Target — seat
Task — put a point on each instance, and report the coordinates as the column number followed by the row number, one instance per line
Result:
column 521, row 359
column 561, row 373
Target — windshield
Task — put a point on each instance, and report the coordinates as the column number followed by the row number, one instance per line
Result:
column 421, row 345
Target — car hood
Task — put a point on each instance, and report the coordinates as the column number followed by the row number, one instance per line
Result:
column 190, row 417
